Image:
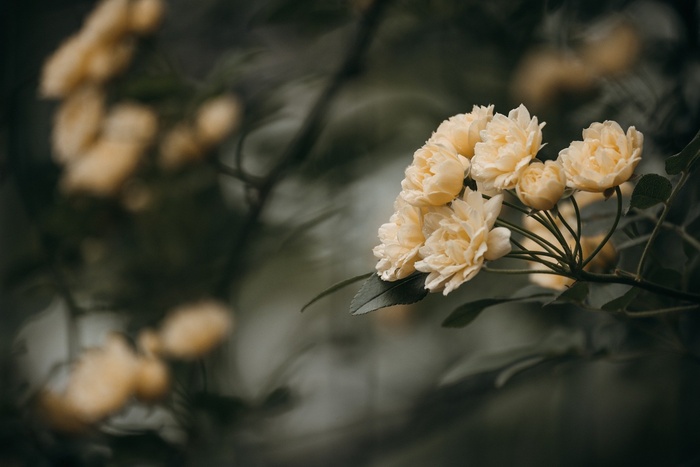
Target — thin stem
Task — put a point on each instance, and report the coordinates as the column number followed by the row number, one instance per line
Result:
column 522, row 271
column 678, row 229
column 560, row 236
column 579, row 249
column 544, row 243
column 657, row 227
column 628, row 279
column 577, row 241
column 600, row 246
column 659, row 311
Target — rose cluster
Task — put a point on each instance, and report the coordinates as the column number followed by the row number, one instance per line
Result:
column 101, row 143
column 445, row 217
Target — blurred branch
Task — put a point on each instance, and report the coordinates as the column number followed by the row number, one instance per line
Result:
column 304, row 140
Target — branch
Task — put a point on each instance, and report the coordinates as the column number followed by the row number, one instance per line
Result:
column 304, row 140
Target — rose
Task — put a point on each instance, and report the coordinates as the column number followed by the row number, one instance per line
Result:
column 463, row 131
column 435, row 177
column 460, row 239
column 400, row 239
column 507, row 147
column 604, row 159
column 540, row 185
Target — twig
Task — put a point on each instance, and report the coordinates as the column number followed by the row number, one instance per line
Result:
column 304, row 140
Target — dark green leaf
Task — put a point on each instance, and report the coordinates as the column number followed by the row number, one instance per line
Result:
column 468, row 312
column 376, row 293
column 577, row 293
column 684, row 159
column 620, row 303
column 650, row 190
column 335, row 287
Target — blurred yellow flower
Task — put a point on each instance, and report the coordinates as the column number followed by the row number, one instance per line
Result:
column 77, row 123
column 192, row 330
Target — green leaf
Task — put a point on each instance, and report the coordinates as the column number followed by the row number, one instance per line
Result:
column 576, row 294
column 650, row 190
column 684, row 159
column 468, row 312
column 376, row 293
column 335, row 287
column 622, row 302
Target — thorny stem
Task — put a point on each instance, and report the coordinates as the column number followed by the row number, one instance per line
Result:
column 662, row 218
column 304, row 140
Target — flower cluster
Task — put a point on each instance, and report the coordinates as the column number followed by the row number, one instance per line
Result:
column 101, row 144
column 446, row 220
column 104, row 379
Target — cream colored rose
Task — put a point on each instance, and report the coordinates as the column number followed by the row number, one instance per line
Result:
column 604, row 159
column 507, row 147
column 180, row 146
column 77, row 123
column 460, row 239
column 463, row 131
column 108, row 22
column 435, row 177
column 541, row 185
column 65, row 69
column 129, row 122
column 217, row 118
column 192, row 330
column 152, row 379
column 103, row 169
column 108, row 60
column 102, row 381
column 400, row 239
column 146, row 15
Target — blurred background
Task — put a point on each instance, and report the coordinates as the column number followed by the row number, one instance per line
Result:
column 336, row 95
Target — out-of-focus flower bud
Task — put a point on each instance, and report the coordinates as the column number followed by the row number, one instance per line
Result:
column 66, row 68
column 179, row 147
column 77, row 123
column 109, row 59
column 193, row 330
column 217, row 118
column 152, row 379
column 146, row 15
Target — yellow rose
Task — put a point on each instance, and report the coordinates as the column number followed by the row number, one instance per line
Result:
column 463, row 131
column 193, row 330
column 436, row 176
column 77, row 123
column 102, row 381
column 540, row 185
column 145, row 15
column 400, row 240
column 216, row 118
column 604, row 159
column 461, row 238
column 507, row 147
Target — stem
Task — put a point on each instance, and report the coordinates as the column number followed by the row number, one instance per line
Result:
column 677, row 229
column 600, row 246
column 579, row 250
column 560, row 236
column 547, row 245
column 641, row 283
column 522, row 271
column 657, row 227
column 660, row 311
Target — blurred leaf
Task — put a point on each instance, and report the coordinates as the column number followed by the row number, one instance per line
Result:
column 376, row 293
column 335, row 287
column 576, row 294
column 556, row 344
column 651, row 189
column 622, row 302
column 684, row 159
column 468, row 312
